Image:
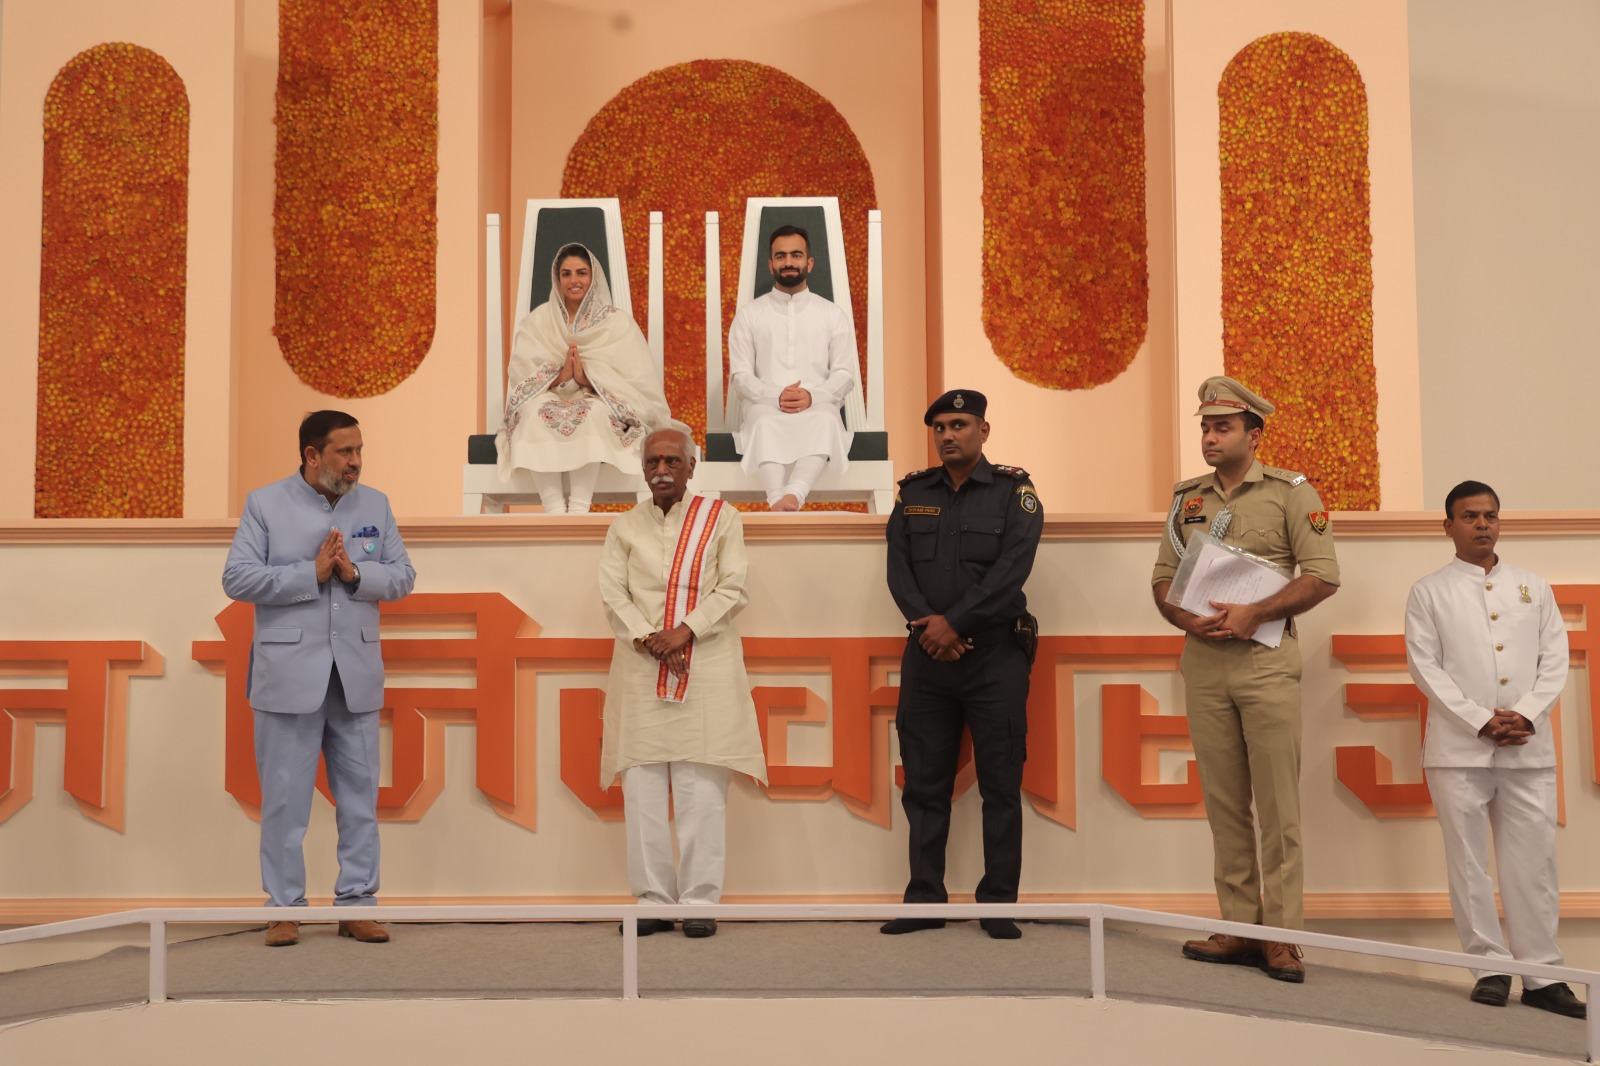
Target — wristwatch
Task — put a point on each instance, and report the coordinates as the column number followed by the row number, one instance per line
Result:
column 355, row 581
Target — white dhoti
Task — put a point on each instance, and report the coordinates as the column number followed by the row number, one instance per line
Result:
column 1519, row 808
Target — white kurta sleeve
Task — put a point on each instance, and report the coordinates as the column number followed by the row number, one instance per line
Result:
column 841, row 360
column 627, row 621
column 1425, row 659
column 726, row 594
column 742, row 361
column 1553, row 654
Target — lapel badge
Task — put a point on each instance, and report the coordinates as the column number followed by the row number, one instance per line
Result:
column 1525, row 597
column 370, row 546
column 1319, row 521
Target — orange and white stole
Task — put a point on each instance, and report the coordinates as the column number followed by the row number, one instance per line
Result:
column 684, row 581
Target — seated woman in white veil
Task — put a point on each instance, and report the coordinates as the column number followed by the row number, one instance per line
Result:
column 583, row 389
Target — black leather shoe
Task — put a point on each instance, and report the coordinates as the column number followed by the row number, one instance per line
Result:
column 1557, row 998
column 1492, row 991
column 1001, row 928
column 696, row 928
column 648, row 926
column 896, row 926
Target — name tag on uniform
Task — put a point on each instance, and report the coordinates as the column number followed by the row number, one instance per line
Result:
column 920, row 509
column 1192, row 519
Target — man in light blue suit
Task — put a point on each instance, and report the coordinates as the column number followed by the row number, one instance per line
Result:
column 316, row 553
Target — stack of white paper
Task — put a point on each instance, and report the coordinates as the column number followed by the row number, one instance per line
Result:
column 1222, row 576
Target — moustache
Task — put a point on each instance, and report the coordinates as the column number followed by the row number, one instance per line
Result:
column 661, row 479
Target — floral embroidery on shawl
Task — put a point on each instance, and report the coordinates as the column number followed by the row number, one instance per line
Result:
column 527, row 389
column 624, row 422
column 565, row 416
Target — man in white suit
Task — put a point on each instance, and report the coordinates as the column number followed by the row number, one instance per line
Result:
column 1485, row 642
column 316, row 553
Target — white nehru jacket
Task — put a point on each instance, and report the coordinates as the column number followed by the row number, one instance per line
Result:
column 1475, row 642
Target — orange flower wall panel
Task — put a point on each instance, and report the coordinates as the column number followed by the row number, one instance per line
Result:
column 704, row 136
column 355, row 224
column 1297, row 258
column 1065, row 285
column 112, row 285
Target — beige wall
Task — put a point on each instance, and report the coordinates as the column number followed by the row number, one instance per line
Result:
column 416, row 433
column 1110, row 448
column 1373, row 34
column 186, row 839
column 200, row 39
column 1505, row 105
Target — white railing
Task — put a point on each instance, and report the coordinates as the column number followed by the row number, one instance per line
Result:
column 157, row 918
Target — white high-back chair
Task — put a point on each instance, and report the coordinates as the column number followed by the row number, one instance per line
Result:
column 870, row 476
column 549, row 224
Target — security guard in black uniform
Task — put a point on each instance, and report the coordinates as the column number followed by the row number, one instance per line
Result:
column 961, row 542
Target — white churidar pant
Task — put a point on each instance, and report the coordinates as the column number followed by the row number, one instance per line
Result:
column 792, row 479
column 699, row 805
column 1519, row 808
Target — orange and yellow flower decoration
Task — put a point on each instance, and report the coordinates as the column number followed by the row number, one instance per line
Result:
column 355, row 224
column 1297, row 258
column 112, row 288
column 1065, row 283
column 704, row 136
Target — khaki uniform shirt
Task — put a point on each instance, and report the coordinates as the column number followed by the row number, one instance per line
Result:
column 1277, row 515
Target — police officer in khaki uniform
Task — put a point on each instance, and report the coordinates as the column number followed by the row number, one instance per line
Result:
column 1243, row 697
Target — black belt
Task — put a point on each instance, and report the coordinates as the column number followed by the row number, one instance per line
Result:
column 1003, row 633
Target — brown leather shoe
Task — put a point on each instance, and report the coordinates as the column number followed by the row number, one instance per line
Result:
column 1283, row 962
column 1220, row 947
column 283, row 934
column 364, row 930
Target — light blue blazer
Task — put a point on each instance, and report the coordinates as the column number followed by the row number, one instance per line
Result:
column 302, row 629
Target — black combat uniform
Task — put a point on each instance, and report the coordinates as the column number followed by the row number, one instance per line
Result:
column 964, row 554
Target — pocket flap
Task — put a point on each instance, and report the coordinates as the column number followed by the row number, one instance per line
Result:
column 279, row 635
column 922, row 523
column 369, row 634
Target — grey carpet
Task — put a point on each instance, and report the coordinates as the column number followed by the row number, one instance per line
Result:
column 776, row 960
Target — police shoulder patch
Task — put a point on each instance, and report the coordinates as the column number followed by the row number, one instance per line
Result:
column 1293, row 477
column 1013, row 471
column 1027, row 499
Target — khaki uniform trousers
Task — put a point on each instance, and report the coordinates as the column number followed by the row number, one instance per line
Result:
column 1244, row 720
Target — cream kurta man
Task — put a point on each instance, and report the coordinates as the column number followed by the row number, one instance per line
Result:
column 1486, row 643
column 791, row 366
column 678, row 711
column 1242, row 697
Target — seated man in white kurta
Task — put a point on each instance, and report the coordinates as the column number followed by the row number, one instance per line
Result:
column 791, row 365
column 1485, row 641
column 678, row 710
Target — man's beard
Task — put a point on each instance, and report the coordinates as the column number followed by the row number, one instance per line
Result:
column 335, row 483
column 791, row 280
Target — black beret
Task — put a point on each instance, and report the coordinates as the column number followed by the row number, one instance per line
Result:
column 964, row 401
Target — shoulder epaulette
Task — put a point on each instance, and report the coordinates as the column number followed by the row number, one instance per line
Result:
column 1013, row 472
column 1293, row 477
column 1185, row 486
column 919, row 473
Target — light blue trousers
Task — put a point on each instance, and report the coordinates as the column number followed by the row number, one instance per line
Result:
column 287, row 746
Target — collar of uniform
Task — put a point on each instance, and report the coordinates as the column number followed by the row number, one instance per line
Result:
column 1257, row 472
column 789, row 297
column 983, row 473
column 1473, row 570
